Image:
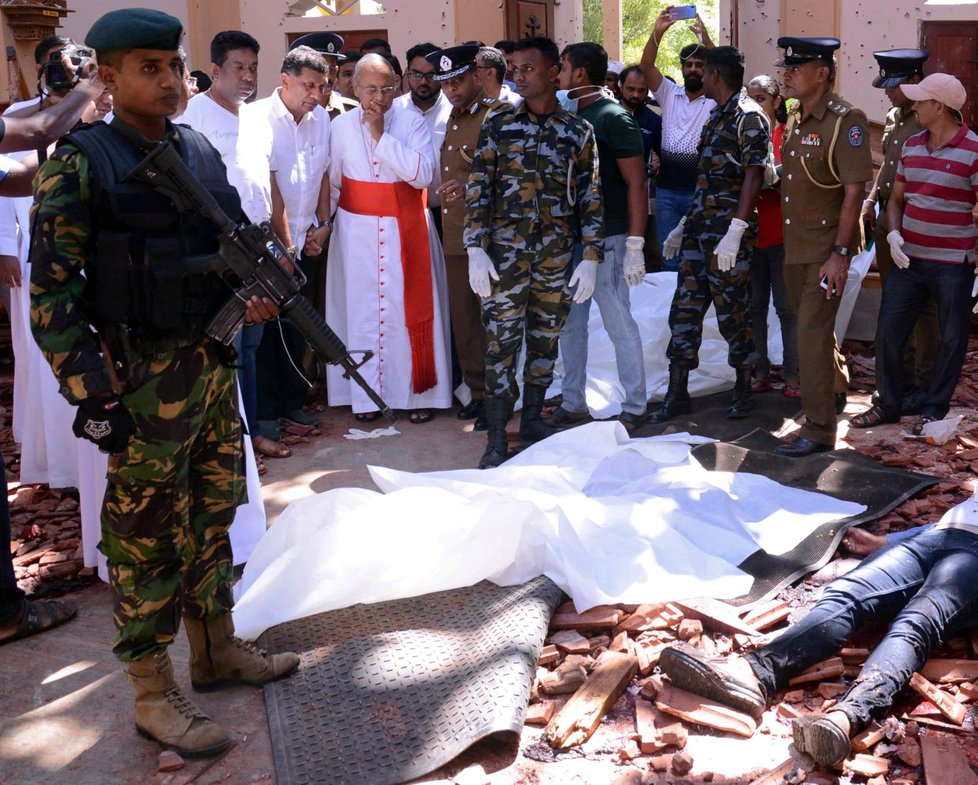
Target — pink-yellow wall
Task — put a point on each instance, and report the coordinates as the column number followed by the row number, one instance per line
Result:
column 863, row 26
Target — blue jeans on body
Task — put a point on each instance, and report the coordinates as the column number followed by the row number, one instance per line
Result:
column 670, row 207
column 923, row 586
column 905, row 295
column 614, row 303
column 247, row 345
column 767, row 279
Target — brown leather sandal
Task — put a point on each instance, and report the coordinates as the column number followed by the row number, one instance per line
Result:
column 37, row 616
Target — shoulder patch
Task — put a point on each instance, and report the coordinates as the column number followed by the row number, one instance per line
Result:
column 856, row 136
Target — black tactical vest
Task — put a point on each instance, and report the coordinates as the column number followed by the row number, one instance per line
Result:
column 140, row 263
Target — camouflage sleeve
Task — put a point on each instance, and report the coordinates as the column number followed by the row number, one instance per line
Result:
column 590, row 210
column 61, row 219
column 754, row 140
column 479, row 190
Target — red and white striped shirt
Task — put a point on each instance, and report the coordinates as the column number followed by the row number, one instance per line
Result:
column 941, row 187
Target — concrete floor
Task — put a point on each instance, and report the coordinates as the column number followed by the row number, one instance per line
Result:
column 65, row 707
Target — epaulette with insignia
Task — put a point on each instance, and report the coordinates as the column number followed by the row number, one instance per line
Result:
column 841, row 108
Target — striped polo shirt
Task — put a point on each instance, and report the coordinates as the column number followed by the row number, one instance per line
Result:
column 939, row 197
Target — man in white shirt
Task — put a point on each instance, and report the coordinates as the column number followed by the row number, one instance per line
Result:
column 385, row 284
column 492, row 67
column 216, row 114
column 298, row 163
column 330, row 46
column 425, row 97
column 685, row 109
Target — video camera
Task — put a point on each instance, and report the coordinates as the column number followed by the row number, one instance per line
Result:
column 54, row 73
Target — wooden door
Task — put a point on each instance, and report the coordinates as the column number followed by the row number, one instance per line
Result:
column 526, row 18
column 953, row 48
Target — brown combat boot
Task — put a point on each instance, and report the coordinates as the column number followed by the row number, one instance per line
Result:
column 218, row 658
column 165, row 715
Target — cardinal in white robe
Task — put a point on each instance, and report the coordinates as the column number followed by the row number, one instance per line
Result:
column 385, row 284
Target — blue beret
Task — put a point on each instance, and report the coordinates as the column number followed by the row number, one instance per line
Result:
column 135, row 28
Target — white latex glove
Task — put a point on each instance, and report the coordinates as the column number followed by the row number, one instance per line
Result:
column 634, row 262
column 729, row 245
column 974, row 294
column 900, row 259
column 481, row 269
column 674, row 241
column 583, row 278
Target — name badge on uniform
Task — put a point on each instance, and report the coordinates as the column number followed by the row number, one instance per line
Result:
column 812, row 140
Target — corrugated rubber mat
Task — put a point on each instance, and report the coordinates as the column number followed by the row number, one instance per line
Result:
column 844, row 474
column 391, row 691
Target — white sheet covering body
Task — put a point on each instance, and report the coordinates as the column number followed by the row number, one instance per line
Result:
column 608, row 518
column 364, row 278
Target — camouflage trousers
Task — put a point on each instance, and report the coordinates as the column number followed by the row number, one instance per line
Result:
column 171, row 497
column 700, row 283
column 530, row 299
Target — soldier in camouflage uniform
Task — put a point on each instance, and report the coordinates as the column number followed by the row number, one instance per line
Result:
column 532, row 193
column 717, row 235
column 107, row 254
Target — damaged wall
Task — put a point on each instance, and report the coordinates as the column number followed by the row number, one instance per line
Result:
column 862, row 26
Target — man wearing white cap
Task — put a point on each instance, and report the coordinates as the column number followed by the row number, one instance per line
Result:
column 932, row 240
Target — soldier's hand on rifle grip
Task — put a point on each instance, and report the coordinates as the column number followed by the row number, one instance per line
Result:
column 260, row 309
column 105, row 421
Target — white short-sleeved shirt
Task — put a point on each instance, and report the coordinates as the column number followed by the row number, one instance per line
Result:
column 682, row 124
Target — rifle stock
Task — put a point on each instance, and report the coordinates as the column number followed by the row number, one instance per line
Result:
column 251, row 260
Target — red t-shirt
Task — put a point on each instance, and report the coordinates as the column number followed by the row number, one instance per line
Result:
column 769, row 223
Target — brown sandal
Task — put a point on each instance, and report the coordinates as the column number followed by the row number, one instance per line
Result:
column 37, row 616
column 871, row 417
column 269, row 447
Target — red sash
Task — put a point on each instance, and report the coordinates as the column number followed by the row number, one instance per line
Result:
column 407, row 204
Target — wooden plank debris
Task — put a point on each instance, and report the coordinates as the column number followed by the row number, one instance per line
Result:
column 582, row 714
column 948, row 670
column 822, row 671
column 715, row 615
column 868, row 739
column 601, row 617
column 949, row 707
column 868, row 765
column 540, row 713
column 700, row 711
column 766, row 615
column 944, row 762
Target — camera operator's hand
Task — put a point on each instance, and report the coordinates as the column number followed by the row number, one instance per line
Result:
column 105, row 421
column 87, row 75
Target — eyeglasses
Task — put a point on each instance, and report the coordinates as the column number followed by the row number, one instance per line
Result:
column 371, row 91
column 419, row 76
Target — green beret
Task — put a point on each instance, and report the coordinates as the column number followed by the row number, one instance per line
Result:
column 135, row 28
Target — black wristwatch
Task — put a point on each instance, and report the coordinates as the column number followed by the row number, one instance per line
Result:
column 842, row 250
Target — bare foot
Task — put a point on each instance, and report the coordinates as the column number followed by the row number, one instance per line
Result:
column 860, row 542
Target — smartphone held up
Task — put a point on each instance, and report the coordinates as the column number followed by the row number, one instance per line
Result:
column 679, row 12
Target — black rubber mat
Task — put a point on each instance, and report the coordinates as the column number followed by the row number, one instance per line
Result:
column 844, row 474
column 391, row 691
column 709, row 416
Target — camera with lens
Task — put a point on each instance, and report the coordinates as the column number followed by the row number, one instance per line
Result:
column 56, row 76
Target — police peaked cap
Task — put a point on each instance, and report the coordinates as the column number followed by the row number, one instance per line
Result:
column 899, row 65
column 135, row 28
column 329, row 44
column 453, row 61
column 798, row 51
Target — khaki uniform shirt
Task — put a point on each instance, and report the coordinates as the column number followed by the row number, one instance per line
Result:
column 900, row 126
column 820, row 154
column 338, row 105
column 461, row 139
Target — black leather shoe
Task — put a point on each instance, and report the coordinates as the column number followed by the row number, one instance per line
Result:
column 481, row 422
column 840, row 403
column 632, row 422
column 471, row 410
column 913, row 403
column 800, row 447
column 710, row 677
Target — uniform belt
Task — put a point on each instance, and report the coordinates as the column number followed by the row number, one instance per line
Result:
column 160, row 346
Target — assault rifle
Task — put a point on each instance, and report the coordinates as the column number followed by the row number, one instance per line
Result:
column 250, row 260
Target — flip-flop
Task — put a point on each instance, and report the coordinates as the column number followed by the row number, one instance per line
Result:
column 269, row 447
column 37, row 616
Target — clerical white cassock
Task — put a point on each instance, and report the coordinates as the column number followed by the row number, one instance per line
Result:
column 368, row 304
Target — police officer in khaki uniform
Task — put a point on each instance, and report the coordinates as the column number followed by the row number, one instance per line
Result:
column 898, row 67
column 455, row 69
column 826, row 163
column 330, row 46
